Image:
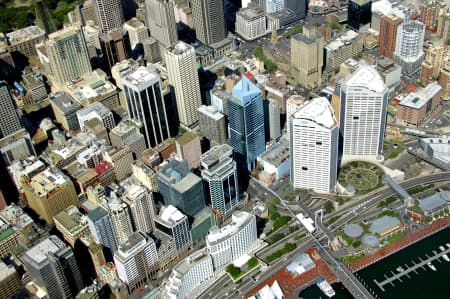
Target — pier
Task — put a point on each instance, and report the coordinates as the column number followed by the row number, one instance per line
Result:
column 416, row 265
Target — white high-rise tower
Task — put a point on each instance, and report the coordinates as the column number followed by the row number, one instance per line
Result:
column 314, row 146
column 409, row 46
column 363, row 114
column 183, row 76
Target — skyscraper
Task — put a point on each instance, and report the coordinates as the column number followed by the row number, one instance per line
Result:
column 68, row 55
column 272, row 6
column 220, row 176
column 120, row 218
column 145, row 102
column 246, row 117
column 140, row 201
column 409, row 46
column 307, row 57
column 359, row 13
column 183, row 76
column 109, row 14
column 274, row 119
column 101, row 227
column 180, row 187
column 212, row 124
column 388, row 35
column 43, row 18
column 136, row 260
column 52, row 266
column 161, row 21
column 208, row 20
column 314, row 147
column 363, row 114
column 175, row 224
column 9, row 120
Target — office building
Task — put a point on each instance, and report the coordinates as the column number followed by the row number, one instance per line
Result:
column 65, row 110
column 9, row 120
column 417, row 106
column 246, row 116
column 9, row 280
column 307, row 58
column 347, row 45
column 212, row 124
column 115, row 47
column 363, row 114
column 183, row 76
column 293, row 103
column 314, row 147
column 136, row 260
column 409, row 47
column 180, row 187
column 208, row 20
column 251, row 23
column 140, row 201
column 228, row 243
column 83, row 13
column 52, row 266
column 102, row 230
column 220, row 176
column 72, row 225
column 435, row 55
column 359, row 13
column 152, row 50
column 9, row 239
column 175, row 224
column 444, row 80
column 299, row 7
column 67, row 54
column 388, row 35
column 273, row 6
column 120, row 218
column 429, row 11
column 50, row 192
column 96, row 111
column 137, row 32
column 24, row 40
column 126, row 133
column 109, row 14
column 161, row 21
column 274, row 119
column 275, row 162
column 189, row 149
column 120, row 159
column 145, row 102
column 167, row 250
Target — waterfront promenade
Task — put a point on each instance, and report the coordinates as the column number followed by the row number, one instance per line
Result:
column 399, row 245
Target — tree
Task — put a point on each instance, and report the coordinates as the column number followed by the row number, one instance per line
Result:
column 252, row 263
column 258, row 52
column 233, row 270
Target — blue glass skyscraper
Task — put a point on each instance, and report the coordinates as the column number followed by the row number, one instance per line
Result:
column 246, row 118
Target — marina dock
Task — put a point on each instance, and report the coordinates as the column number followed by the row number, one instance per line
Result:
column 411, row 268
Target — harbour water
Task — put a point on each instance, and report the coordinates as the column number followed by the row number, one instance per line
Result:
column 425, row 284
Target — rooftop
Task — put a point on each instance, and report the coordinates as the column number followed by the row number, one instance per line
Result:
column 418, row 98
column 251, row 14
column 39, row 252
column 90, row 86
column 383, row 224
column 278, row 153
column 65, row 103
column 47, row 182
column 97, row 214
column 71, row 219
column 367, row 77
column 180, row 48
column 187, row 138
column 171, row 215
column 238, row 221
column 25, row 34
column 15, row 216
column 134, row 242
column 215, row 155
column 63, row 33
column 6, row 271
column 342, row 40
column 435, row 201
column 140, row 78
column 96, row 109
column 319, row 111
column 211, row 112
column 244, row 90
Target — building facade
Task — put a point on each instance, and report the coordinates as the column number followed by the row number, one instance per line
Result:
column 175, row 224
column 161, row 21
column 314, row 147
column 9, row 121
column 183, row 76
column 102, row 230
column 140, row 201
column 409, row 46
column 246, row 116
column 388, row 35
column 145, row 102
column 219, row 173
column 109, row 14
column 208, row 20
column 212, row 124
column 363, row 114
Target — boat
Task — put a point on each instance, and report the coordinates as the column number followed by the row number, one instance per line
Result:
column 400, row 269
column 441, row 248
column 445, row 257
column 431, row 266
column 325, row 287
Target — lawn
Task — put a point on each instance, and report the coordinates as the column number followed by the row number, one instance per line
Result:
column 363, row 176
